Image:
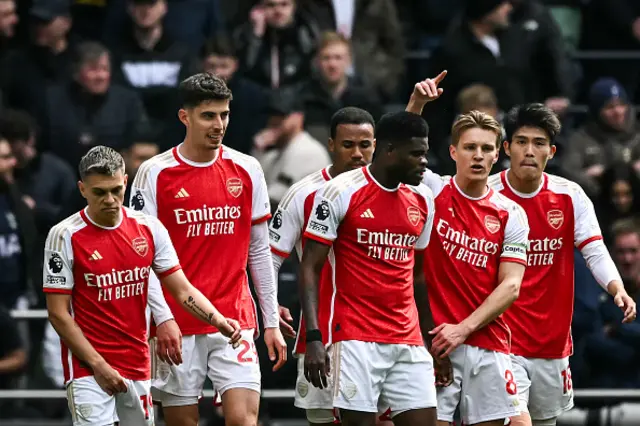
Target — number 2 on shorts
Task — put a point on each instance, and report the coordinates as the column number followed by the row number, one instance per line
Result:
column 244, row 355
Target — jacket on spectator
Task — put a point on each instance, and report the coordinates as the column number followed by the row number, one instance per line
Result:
column 249, row 113
column 594, row 143
column 376, row 40
column 155, row 75
column 74, row 121
column 295, row 48
column 319, row 106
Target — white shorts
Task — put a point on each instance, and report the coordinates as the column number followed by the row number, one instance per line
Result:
column 90, row 405
column 206, row 355
column 483, row 386
column 544, row 386
column 375, row 377
column 309, row 397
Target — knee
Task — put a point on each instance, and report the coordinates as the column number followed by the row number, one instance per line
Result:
column 240, row 418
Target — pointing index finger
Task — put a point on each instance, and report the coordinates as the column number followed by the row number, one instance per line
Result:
column 440, row 77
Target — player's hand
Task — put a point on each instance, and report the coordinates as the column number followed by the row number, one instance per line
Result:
column 230, row 328
column 109, row 379
column 169, row 342
column 276, row 346
column 444, row 371
column 447, row 337
column 316, row 365
column 285, row 322
column 427, row 90
column 627, row 304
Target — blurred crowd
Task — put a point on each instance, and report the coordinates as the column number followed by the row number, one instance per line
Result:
column 75, row 74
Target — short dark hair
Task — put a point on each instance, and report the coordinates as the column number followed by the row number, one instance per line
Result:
column 17, row 126
column 203, row 87
column 397, row 128
column 220, row 45
column 625, row 227
column 85, row 52
column 532, row 115
column 350, row 115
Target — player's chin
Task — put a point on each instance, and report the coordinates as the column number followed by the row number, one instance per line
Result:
column 413, row 180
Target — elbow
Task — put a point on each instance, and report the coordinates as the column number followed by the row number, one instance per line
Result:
column 513, row 290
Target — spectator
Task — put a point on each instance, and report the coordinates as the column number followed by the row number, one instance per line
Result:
column 292, row 153
column 148, row 60
column 277, row 45
column 610, row 136
column 89, row 18
column 249, row 102
column 143, row 149
column 619, row 197
column 13, row 358
column 90, row 110
column 47, row 182
column 613, row 349
column 333, row 89
column 8, row 21
column 46, row 60
column 375, row 32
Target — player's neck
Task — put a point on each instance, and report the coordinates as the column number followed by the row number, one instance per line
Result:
column 104, row 221
column 383, row 177
column 192, row 153
column 471, row 188
column 521, row 185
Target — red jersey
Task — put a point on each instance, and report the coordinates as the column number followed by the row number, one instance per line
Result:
column 561, row 216
column 470, row 238
column 372, row 231
column 106, row 272
column 208, row 209
column 285, row 234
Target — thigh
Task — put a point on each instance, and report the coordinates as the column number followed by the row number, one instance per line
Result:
column 422, row 416
column 89, row 404
column 410, row 382
column 522, row 374
column 489, row 389
column 449, row 396
column 551, row 388
column 358, row 370
column 135, row 407
column 308, row 396
column 229, row 367
column 182, row 384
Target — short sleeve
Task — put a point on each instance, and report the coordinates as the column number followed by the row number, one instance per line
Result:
column 165, row 258
column 260, row 208
column 425, row 236
column 285, row 227
column 143, row 190
column 329, row 208
column 586, row 227
column 57, row 272
column 516, row 236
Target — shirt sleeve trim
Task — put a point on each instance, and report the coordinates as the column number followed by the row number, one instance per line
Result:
column 261, row 219
column 589, row 240
column 280, row 253
column 169, row 271
column 57, row 290
column 318, row 239
column 513, row 260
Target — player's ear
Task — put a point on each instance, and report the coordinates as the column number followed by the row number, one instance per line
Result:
column 331, row 145
column 373, row 143
column 82, row 188
column 552, row 152
column 507, row 150
column 495, row 158
column 453, row 152
column 126, row 179
column 183, row 116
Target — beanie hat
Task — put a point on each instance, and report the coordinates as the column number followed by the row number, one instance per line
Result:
column 603, row 91
column 477, row 9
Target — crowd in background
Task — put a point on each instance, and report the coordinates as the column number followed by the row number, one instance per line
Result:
column 75, row 74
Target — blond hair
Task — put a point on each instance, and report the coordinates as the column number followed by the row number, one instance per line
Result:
column 330, row 38
column 476, row 96
column 475, row 120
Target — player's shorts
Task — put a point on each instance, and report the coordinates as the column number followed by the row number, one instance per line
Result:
column 206, row 355
column 545, row 389
column 483, row 387
column 309, row 397
column 90, row 405
column 375, row 377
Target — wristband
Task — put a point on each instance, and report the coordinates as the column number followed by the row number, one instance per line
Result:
column 314, row 336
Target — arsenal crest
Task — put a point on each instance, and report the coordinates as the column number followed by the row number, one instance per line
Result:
column 555, row 218
column 140, row 245
column 414, row 215
column 492, row 224
column 234, row 186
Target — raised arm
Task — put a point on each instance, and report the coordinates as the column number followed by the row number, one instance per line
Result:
column 424, row 92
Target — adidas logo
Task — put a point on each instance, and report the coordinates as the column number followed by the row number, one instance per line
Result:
column 368, row 214
column 182, row 193
column 95, row 256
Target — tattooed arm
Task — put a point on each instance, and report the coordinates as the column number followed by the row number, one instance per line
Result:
column 199, row 306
